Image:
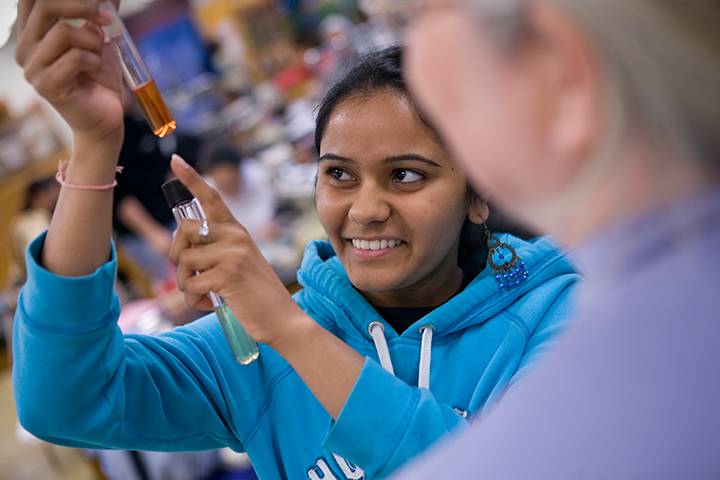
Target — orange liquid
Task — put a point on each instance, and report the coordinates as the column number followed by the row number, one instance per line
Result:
column 156, row 110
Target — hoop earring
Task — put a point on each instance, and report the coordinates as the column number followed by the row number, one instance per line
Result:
column 509, row 268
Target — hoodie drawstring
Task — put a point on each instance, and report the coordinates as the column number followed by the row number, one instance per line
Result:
column 377, row 331
column 425, row 351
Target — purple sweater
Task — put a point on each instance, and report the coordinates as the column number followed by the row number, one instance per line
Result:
column 633, row 389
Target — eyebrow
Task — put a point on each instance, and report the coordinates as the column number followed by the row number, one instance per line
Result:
column 338, row 158
column 411, row 157
column 394, row 159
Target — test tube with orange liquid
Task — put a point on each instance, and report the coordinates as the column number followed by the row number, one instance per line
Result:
column 137, row 76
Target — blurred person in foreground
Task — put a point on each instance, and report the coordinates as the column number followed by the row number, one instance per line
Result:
column 597, row 121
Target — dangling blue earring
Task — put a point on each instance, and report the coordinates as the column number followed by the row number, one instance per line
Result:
column 508, row 266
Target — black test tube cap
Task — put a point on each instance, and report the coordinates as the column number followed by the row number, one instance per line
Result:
column 176, row 193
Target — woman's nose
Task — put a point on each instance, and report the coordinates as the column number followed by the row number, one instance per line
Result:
column 369, row 206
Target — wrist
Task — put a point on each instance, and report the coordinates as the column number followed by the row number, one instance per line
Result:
column 298, row 330
column 93, row 160
column 91, row 145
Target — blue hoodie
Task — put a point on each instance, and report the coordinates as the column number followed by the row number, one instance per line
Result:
column 79, row 382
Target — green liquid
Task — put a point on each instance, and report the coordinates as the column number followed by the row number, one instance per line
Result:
column 243, row 346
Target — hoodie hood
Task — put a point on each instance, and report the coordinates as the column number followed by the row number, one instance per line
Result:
column 339, row 307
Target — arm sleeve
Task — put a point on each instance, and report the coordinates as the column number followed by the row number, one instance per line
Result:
column 404, row 422
column 79, row 382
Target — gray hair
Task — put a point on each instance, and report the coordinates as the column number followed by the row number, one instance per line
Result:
column 660, row 59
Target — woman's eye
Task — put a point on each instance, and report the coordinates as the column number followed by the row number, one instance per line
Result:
column 407, row 176
column 339, row 174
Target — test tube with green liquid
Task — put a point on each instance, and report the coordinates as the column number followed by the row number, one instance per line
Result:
column 185, row 206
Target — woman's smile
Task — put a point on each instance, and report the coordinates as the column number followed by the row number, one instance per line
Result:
column 371, row 248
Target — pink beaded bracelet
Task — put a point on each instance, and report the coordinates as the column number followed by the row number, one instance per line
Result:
column 60, row 177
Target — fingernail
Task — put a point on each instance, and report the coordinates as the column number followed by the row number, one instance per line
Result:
column 104, row 18
column 181, row 162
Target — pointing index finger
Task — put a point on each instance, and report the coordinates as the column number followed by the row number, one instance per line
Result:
column 209, row 198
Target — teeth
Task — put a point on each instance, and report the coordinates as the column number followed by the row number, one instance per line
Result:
column 375, row 244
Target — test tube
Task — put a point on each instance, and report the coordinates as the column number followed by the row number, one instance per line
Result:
column 184, row 205
column 136, row 74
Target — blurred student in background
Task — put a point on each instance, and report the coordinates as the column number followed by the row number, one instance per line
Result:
column 142, row 221
column 244, row 186
column 40, row 199
column 597, row 121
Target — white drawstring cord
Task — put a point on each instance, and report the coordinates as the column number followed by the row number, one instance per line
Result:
column 425, row 354
column 377, row 331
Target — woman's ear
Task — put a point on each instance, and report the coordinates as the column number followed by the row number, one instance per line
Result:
column 478, row 211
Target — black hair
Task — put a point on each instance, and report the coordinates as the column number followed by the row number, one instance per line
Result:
column 383, row 70
column 368, row 74
column 216, row 155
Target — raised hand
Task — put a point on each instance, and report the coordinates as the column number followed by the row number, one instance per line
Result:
column 231, row 265
column 72, row 67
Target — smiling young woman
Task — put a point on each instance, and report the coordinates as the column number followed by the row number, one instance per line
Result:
column 391, row 201
column 349, row 382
